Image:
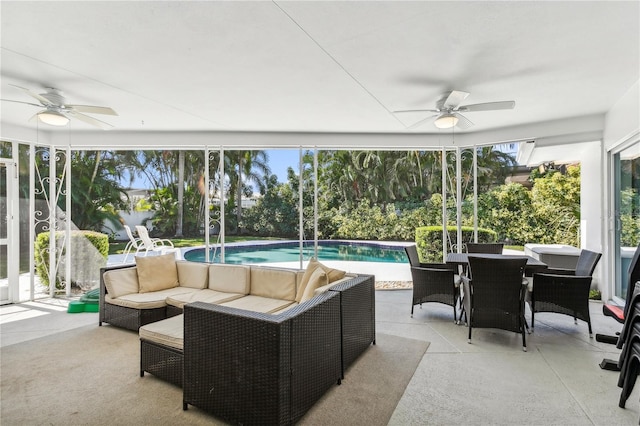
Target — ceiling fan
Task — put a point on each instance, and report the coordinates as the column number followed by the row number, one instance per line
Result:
column 57, row 112
column 448, row 109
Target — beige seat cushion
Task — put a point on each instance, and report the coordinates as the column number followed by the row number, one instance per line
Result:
column 206, row 295
column 230, row 278
column 121, row 281
column 168, row 332
column 274, row 283
column 155, row 299
column 258, row 304
column 193, row 274
column 285, row 309
column 157, row 272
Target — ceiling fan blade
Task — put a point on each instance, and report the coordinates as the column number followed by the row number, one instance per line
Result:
column 463, row 122
column 21, row 102
column 92, row 109
column 454, row 99
column 488, row 106
column 414, row 110
column 90, row 120
column 42, row 99
column 421, row 122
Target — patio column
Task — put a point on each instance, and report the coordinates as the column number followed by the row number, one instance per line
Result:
column 445, row 234
column 475, row 194
column 67, row 217
column 52, row 221
column 459, row 199
column 300, row 208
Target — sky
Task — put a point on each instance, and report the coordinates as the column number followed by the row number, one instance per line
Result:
column 281, row 159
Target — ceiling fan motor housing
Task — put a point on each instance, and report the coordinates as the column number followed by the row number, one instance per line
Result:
column 54, row 96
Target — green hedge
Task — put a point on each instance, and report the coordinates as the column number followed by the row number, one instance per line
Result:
column 429, row 240
column 89, row 253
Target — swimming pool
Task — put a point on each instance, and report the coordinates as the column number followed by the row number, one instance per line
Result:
column 289, row 252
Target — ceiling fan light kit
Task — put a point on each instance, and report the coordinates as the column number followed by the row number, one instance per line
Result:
column 446, row 121
column 53, row 118
column 448, row 110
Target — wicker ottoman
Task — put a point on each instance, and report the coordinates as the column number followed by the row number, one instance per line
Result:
column 161, row 351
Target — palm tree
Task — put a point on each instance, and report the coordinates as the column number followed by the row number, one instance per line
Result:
column 244, row 167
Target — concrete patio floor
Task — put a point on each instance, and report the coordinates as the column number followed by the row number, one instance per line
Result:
column 490, row 381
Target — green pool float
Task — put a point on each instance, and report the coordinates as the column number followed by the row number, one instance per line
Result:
column 87, row 303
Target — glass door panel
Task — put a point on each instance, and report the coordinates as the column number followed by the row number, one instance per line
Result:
column 627, row 213
column 4, row 235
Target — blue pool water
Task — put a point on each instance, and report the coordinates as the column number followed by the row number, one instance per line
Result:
column 289, row 252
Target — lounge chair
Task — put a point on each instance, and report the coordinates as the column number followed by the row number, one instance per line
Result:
column 160, row 245
column 133, row 244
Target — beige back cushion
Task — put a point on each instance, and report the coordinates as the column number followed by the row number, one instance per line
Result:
column 273, row 283
column 120, row 282
column 193, row 274
column 317, row 279
column 157, row 272
column 332, row 275
column 299, row 289
column 230, row 278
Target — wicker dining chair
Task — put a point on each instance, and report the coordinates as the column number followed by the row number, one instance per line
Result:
column 565, row 291
column 485, row 248
column 432, row 282
column 494, row 298
column 488, row 248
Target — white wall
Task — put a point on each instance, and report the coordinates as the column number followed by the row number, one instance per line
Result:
column 623, row 119
column 132, row 219
column 622, row 126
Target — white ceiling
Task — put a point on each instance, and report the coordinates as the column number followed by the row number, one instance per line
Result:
column 298, row 66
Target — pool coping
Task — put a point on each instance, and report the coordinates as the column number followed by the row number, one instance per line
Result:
column 307, row 244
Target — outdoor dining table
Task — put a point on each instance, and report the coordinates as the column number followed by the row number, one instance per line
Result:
column 533, row 265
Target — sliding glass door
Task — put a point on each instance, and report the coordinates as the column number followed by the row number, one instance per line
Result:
column 627, row 212
column 8, row 253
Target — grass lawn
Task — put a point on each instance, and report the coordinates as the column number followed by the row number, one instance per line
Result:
column 117, row 247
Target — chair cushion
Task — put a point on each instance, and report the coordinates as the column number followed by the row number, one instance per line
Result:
column 168, row 332
column 157, row 272
column 121, row 281
column 193, row 274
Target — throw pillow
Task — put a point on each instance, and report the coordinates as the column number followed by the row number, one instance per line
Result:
column 332, row 275
column 157, row 272
column 311, row 267
column 317, row 279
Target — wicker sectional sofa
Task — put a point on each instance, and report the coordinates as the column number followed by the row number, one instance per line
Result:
column 158, row 287
column 251, row 345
